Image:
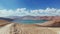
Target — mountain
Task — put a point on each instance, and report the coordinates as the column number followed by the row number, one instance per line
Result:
column 34, row 17
column 8, row 19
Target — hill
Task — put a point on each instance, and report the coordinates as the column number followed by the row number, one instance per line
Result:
column 52, row 23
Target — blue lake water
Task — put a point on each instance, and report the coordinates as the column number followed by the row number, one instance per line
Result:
column 30, row 21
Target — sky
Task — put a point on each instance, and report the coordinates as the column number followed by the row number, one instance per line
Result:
column 29, row 7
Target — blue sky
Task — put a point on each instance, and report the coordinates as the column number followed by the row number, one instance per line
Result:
column 30, row 4
column 29, row 7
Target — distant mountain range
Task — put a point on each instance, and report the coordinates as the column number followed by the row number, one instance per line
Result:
column 11, row 18
column 35, row 17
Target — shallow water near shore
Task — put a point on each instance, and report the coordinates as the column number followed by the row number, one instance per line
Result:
column 30, row 21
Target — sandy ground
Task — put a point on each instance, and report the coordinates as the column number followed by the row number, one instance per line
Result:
column 28, row 29
column 6, row 29
column 32, row 29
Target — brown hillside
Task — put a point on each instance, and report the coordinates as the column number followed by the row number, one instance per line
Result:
column 3, row 22
column 52, row 23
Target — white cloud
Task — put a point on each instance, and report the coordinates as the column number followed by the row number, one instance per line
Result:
column 45, row 12
column 24, row 12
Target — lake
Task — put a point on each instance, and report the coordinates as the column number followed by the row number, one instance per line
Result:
column 30, row 21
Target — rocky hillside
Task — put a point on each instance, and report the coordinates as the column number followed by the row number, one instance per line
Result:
column 52, row 23
column 4, row 22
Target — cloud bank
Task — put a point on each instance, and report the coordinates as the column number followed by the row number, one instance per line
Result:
column 25, row 12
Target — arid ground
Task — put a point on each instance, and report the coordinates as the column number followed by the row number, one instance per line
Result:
column 15, row 28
